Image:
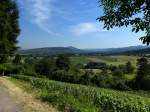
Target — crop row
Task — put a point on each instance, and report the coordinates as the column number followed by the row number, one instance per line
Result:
column 105, row 99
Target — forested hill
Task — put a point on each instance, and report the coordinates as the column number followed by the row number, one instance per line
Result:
column 48, row 51
column 137, row 52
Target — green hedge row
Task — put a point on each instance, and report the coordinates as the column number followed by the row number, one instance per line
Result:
column 108, row 100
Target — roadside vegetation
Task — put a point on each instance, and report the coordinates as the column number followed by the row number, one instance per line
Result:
column 78, row 98
column 37, row 73
column 77, row 82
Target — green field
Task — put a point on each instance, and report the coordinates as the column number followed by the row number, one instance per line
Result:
column 114, row 60
column 78, row 98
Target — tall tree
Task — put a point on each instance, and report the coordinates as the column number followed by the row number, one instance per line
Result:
column 63, row 62
column 45, row 67
column 129, row 68
column 127, row 12
column 143, row 70
column 9, row 28
column 17, row 59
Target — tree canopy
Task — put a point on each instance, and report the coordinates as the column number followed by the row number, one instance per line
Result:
column 9, row 28
column 119, row 13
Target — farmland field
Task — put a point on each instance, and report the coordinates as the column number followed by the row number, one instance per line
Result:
column 114, row 60
column 78, row 98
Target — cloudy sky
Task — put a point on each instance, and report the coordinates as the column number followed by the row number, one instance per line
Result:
column 47, row 23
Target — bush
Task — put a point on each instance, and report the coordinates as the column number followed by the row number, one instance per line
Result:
column 117, row 72
column 45, row 67
column 63, row 62
column 103, row 81
column 96, row 65
column 146, row 82
column 129, row 68
column 9, row 69
column 120, row 83
column 86, row 77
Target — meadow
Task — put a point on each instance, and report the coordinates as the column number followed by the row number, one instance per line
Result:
column 114, row 60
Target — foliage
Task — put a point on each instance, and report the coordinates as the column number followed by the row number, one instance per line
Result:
column 9, row 28
column 17, row 59
column 9, row 69
column 129, row 68
column 102, row 80
column 96, row 65
column 146, row 82
column 143, row 71
column 118, row 72
column 124, row 13
column 86, row 78
column 45, row 67
column 104, row 99
column 63, row 62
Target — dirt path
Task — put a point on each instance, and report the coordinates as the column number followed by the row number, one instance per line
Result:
column 7, row 103
column 27, row 101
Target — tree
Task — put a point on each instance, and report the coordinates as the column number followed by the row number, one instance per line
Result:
column 45, row 67
column 143, row 70
column 63, row 62
column 9, row 28
column 17, row 59
column 129, row 68
column 126, row 12
column 87, row 77
column 117, row 72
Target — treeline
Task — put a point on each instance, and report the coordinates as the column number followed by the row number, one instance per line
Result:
column 60, row 68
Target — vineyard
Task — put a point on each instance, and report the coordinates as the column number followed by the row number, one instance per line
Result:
column 78, row 98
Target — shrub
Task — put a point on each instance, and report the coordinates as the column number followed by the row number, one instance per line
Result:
column 63, row 62
column 9, row 69
column 45, row 67
column 146, row 82
column 129, row 68
column 103, row 81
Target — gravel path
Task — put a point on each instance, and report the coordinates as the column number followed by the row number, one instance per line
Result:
column 7, row 103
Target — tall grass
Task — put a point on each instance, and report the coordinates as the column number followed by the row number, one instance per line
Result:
column 101, row 99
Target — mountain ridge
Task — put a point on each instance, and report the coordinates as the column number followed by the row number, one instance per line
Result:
column 73, row 50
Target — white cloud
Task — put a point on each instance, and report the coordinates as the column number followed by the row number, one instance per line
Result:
column 40, row 12
column 86, row 28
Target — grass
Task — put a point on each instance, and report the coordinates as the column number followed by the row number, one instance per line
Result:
column 78, row 98
column 79, row 59
column 130, row 77
column 114, row 60
column 66, row 103
column 142, row 93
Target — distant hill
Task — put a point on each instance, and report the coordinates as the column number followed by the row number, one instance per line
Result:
column 48, row 51
column 138, row 52
column 117, row 50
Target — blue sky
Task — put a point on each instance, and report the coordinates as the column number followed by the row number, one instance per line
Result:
column 50, row 23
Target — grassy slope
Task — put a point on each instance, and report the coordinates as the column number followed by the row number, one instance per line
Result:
column 65, row 103
column 78, row 98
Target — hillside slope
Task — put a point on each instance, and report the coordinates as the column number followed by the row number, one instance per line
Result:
column 79, row 98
